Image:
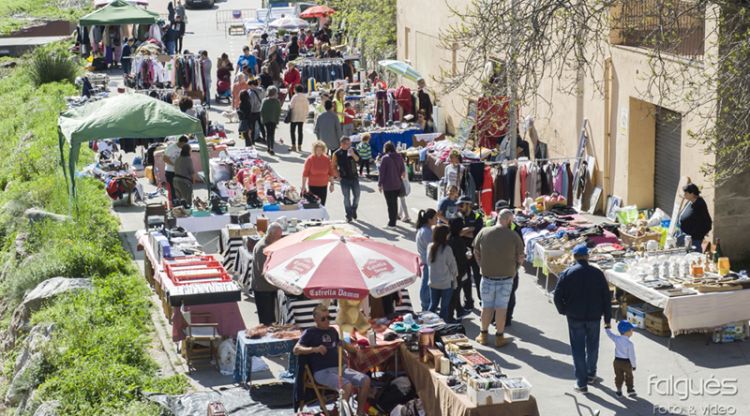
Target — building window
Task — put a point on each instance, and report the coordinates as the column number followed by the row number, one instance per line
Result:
column 406, row 43
column 672, row 26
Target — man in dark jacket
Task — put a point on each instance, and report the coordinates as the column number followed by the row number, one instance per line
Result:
column 582, row 295
column 472, row 224
column 344, row 162
column 425, row 104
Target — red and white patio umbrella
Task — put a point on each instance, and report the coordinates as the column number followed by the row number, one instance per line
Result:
column 341, row 268
column 317, row 11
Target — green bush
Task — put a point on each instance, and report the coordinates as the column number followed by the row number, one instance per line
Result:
column 98, row 362
column 47, row 66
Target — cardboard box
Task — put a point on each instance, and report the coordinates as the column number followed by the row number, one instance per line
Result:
column 657, row 324
column 636, row 314
column 485, row 397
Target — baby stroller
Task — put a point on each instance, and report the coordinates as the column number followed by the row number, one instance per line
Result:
column 224, row 85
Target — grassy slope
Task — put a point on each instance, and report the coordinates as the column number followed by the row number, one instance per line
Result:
column 11, row 10
column 100, row 363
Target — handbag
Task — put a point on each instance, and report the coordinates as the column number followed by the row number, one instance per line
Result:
column 288, row 116
column 405, row 188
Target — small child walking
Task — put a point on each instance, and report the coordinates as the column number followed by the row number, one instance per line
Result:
column 624, row 363
column 365, row 153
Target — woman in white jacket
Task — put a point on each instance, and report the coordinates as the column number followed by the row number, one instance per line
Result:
column 299, row 107
column 443, row 271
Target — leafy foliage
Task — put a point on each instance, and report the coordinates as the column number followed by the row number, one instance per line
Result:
column 53, row 66
column 98, row 361
column 373, row 23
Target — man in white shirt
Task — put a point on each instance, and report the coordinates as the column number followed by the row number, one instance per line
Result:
column 170, row 155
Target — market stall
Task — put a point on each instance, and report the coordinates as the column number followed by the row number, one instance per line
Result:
column 689, row 303
column 132, row 116
column 667, row 291
column 441, row 400
column 103, row 30
column 212, row 294
column 251, row 188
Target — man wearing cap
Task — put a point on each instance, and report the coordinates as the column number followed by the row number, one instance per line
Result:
column 695, row 220
column 582, row 295
column 247, row 59
column 472, row 224
column 499, row 252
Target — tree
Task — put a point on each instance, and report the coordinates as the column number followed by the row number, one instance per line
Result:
column 372, row 23
column 519, row 43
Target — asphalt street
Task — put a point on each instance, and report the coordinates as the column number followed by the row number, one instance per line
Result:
column 540, row 351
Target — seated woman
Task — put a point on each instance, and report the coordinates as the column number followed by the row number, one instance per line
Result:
column 323, row 341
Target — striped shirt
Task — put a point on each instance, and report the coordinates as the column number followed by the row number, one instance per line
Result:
column 364, row 150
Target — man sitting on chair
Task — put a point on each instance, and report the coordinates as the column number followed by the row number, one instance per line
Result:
column 324, row 340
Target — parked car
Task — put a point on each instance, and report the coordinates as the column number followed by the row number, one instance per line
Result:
column 199, row 3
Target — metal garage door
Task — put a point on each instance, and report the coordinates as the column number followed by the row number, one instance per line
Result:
column 667, row 160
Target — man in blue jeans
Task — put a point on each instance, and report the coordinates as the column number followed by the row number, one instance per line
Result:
column 345, row 160
column 582, row 295
column 499, row 252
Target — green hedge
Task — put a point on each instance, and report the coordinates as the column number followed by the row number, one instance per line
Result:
column 98, row 362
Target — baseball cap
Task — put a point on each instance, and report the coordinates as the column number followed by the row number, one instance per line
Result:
column 581, row 250
column 464, row 200
column 624, row 326
column 501, row 205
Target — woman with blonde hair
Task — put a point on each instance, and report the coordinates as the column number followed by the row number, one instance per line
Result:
column 318, row 172
column 338, row 104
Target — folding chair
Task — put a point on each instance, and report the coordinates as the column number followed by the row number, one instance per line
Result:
column 319, row 390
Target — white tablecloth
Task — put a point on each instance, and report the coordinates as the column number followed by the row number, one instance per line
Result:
column 217, row 222
column 693, row 312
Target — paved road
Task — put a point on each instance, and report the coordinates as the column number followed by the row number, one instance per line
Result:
column 540, row 351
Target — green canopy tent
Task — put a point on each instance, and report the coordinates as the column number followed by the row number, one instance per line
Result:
column 133, row 116
column 119, row 13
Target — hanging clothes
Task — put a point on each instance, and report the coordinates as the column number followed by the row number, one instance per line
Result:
column 486, row 198
column 492, row 120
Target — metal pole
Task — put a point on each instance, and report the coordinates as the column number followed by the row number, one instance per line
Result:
column 511, row 80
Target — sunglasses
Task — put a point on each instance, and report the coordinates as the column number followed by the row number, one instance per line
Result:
column 324, row 318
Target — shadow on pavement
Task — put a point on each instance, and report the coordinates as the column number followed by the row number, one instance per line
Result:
column 535, row 336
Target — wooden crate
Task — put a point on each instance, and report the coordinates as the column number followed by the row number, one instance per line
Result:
column 657, row 324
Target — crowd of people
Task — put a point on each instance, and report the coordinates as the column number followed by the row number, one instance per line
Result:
column 461, row 249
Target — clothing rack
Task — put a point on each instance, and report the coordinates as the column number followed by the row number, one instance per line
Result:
column 516, row 161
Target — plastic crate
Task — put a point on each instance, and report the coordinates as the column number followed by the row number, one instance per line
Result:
column 431, row 190
column 514, row 393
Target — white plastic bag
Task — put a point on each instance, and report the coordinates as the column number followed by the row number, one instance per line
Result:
column 227, row 353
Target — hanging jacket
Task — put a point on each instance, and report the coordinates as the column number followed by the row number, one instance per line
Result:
column 486, row 198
